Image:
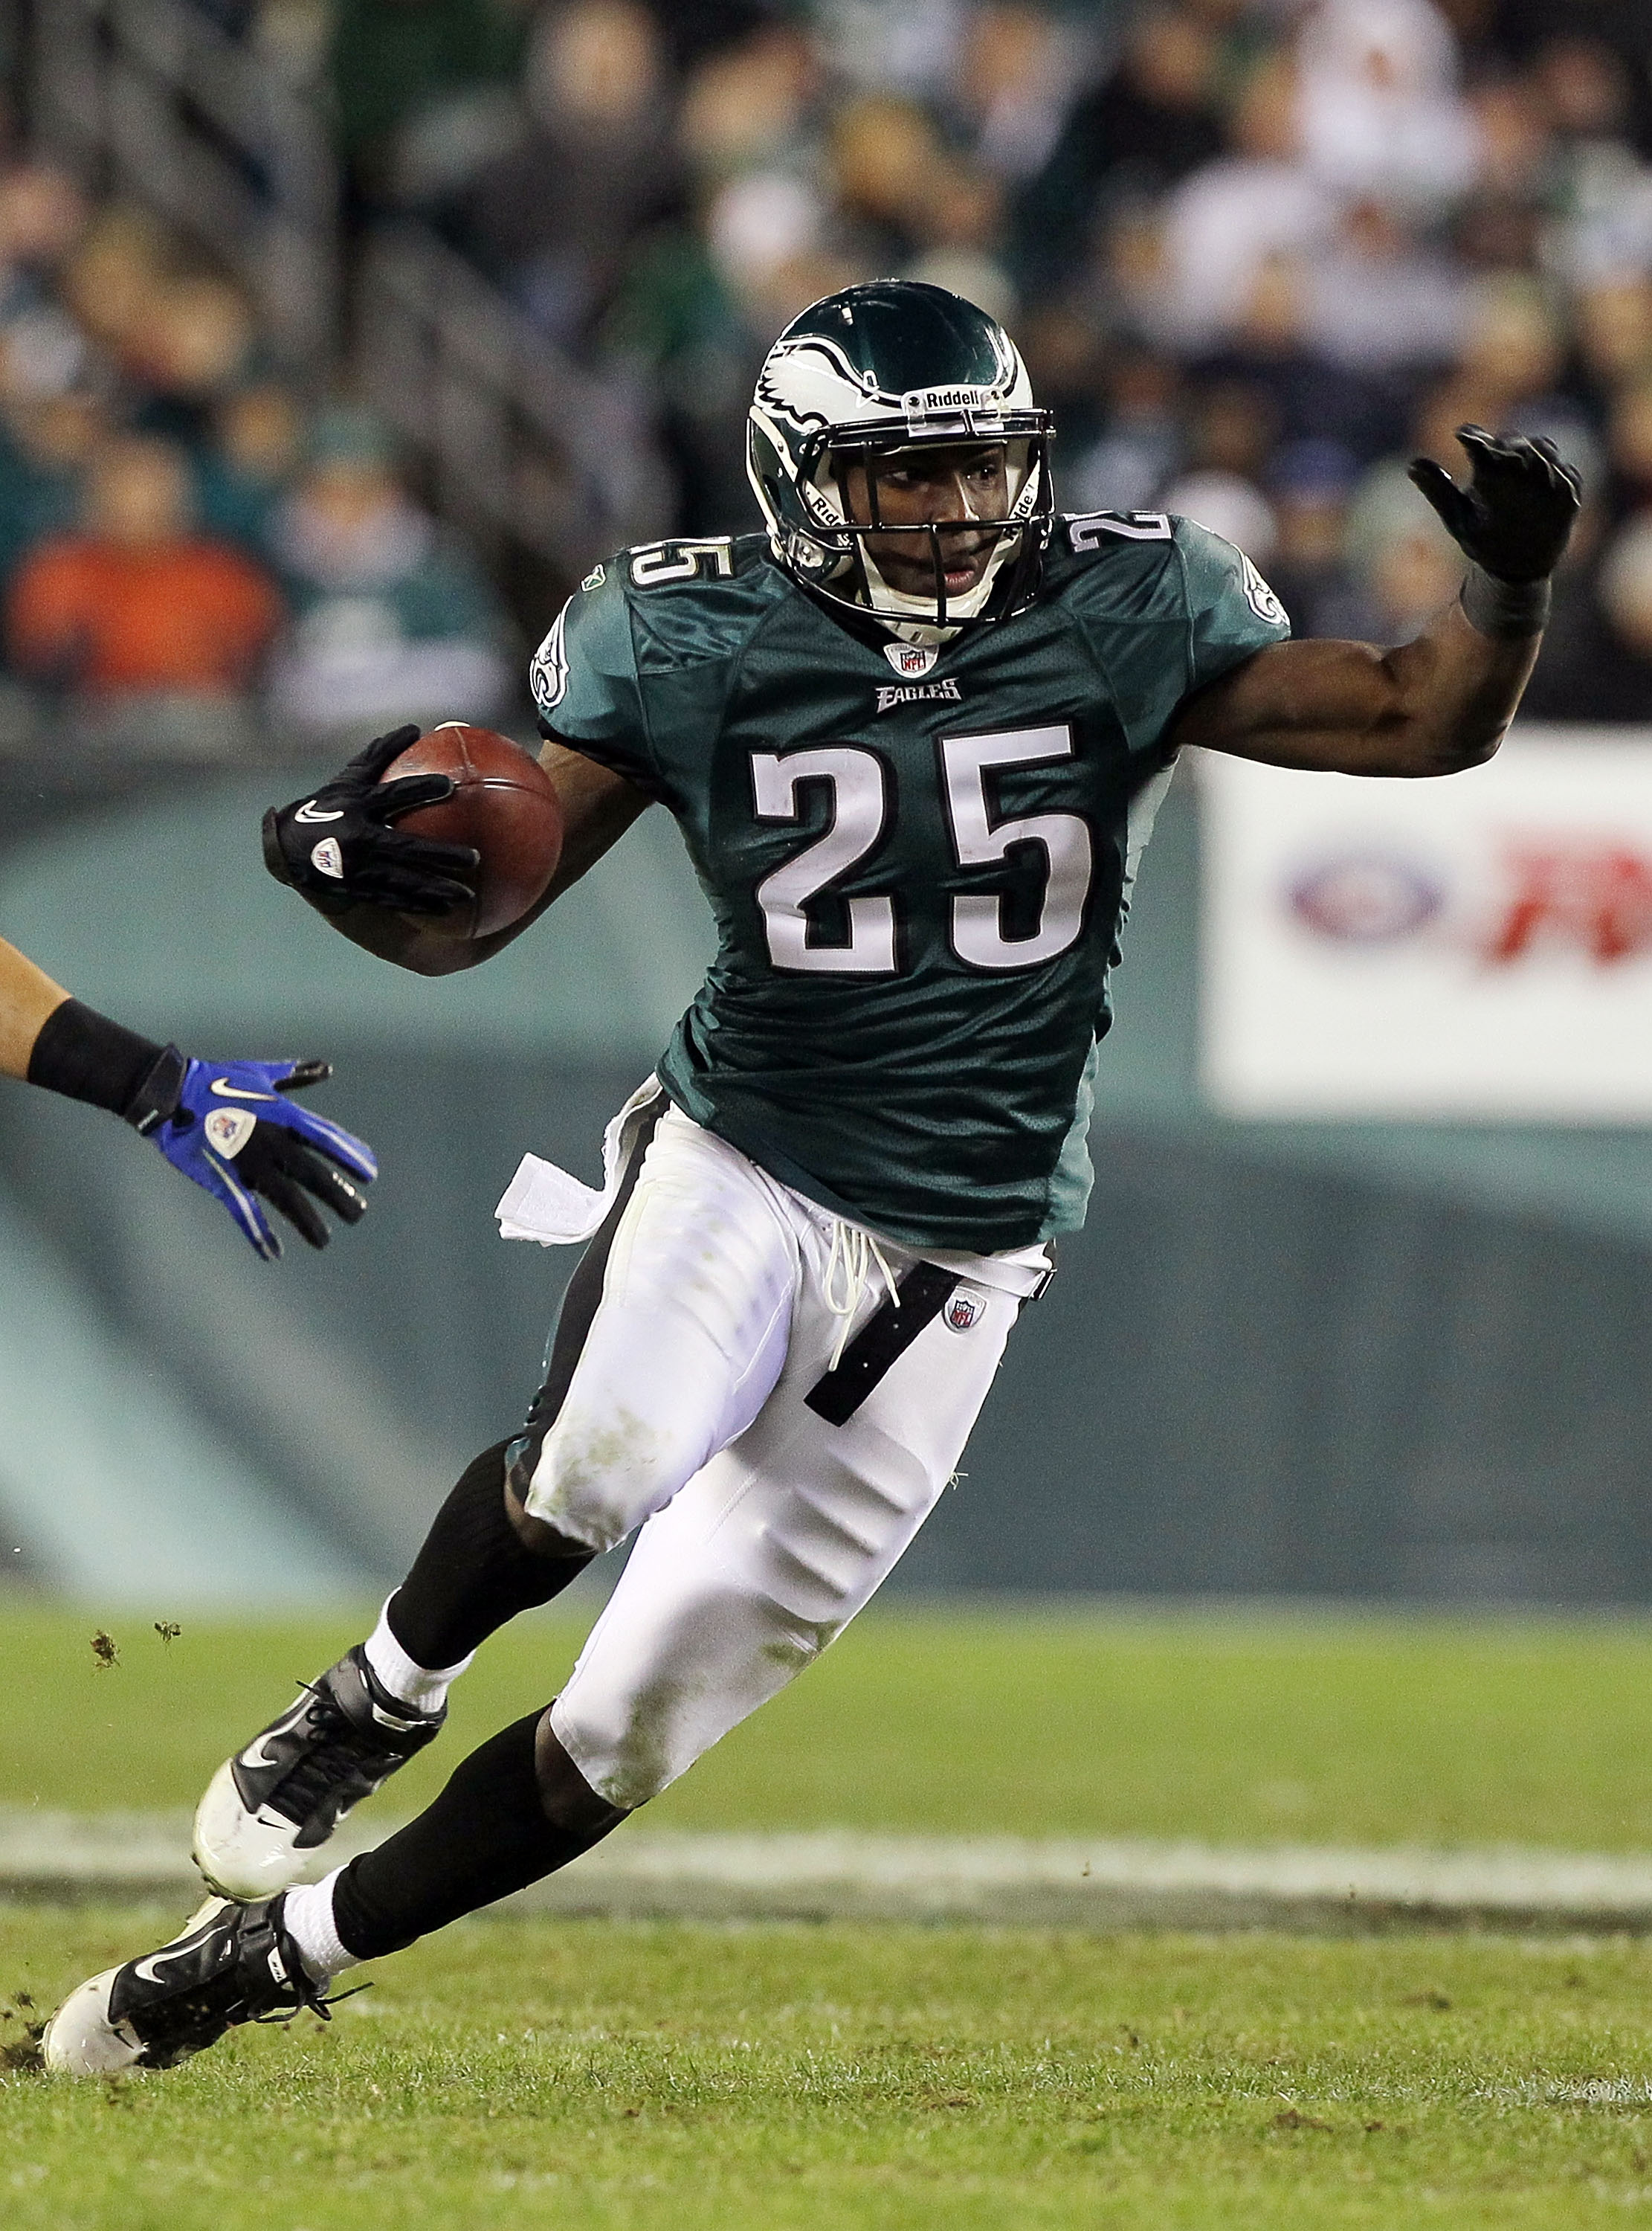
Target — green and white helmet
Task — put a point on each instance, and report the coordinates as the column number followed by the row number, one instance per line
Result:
column 896, row 364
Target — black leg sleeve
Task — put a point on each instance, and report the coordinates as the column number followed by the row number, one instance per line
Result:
column 473, row 1572
column 484, row 1836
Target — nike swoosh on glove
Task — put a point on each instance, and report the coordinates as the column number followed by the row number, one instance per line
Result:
column 1515, row 514
column 341, row 847
column 231, row 1127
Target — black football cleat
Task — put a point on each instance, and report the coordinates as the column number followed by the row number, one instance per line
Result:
column 229, row 1964
column 269, row 1811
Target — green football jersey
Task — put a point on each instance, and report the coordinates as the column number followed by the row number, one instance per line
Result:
column 919, row 863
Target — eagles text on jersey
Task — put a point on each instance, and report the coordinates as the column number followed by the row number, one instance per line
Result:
column 919, row 859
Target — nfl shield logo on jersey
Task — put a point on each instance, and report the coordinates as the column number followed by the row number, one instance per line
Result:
column 964, row 1308
column 910, row 658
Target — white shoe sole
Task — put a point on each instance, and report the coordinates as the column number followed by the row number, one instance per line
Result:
column 247, row 1856
column 81, row 2039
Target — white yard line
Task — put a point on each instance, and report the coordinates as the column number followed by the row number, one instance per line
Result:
column 1097, row 1883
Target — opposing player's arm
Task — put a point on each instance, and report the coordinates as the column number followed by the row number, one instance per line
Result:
column 227, row 1125
column 598, row 807
column 1443, row 701
column 28, row 996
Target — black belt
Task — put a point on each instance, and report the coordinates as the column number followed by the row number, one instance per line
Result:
column 886, row 1336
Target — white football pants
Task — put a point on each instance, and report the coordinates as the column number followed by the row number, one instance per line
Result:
column 765, row 1527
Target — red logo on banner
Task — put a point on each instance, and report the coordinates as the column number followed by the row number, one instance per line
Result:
column 1594, row 896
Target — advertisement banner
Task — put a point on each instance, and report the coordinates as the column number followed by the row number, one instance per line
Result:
column 1478, row 947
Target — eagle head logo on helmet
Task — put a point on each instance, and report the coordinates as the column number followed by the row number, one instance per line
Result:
column 873, row 374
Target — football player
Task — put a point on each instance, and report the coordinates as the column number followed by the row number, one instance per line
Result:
column 915, row 735
column 227, row 1124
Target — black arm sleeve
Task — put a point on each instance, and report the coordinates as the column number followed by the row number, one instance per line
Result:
column 84, row 1055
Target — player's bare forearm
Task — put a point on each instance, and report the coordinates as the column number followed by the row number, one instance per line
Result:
column 1439, row 704
column 1443, row 701
column 28, row 995
column 598, row 807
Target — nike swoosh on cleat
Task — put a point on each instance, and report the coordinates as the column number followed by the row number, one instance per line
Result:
column 148, row 1969
column 224, row 1090
column 255, row 1754
column 307, row 812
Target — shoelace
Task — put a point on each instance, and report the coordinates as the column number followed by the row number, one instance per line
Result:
column 855, row 1254
column 337, row 1742
column 199, row 2020
column 312, row 1998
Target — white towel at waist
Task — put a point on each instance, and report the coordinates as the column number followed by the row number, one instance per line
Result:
column 549, row 1205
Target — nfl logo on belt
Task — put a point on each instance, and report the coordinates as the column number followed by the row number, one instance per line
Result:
column 967, row 1307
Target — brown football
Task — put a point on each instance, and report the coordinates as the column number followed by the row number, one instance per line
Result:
column 504, row 804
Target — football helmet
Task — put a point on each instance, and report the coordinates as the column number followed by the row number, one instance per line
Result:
column 896, row 365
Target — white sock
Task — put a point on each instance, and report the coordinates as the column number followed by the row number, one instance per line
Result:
column 307, row 1919
column 418, row 1686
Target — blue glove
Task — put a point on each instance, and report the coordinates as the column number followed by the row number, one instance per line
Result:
column 227, row 1125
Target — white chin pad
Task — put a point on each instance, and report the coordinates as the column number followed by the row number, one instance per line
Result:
column 897, row 604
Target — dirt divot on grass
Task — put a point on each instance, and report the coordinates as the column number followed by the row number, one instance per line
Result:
column 21, row 2055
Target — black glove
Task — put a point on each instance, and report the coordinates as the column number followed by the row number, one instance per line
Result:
column 340, row 848
column 1515, row 516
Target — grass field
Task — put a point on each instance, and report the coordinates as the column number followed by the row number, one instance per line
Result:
column 668, row 2076
column 651, row 2077
column 1236, row 1728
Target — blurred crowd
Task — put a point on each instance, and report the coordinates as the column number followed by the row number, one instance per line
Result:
column 1257, row 253
column 194, row 554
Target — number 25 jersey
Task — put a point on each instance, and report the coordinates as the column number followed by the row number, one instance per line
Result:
column 919, row 863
